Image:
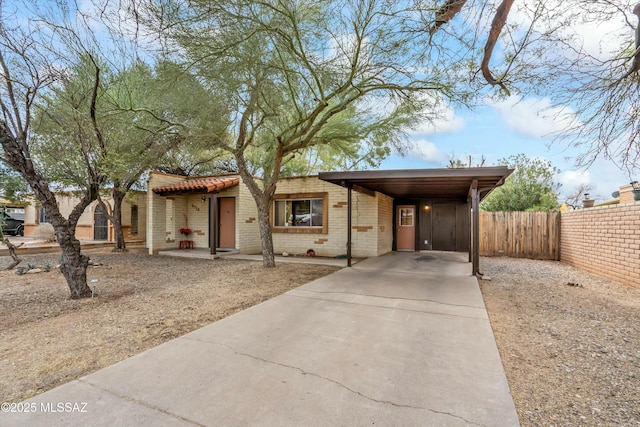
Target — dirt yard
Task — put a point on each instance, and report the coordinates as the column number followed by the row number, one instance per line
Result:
column 571, row 352
column 46, row 339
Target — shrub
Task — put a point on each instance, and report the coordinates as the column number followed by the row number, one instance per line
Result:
column 45, row 232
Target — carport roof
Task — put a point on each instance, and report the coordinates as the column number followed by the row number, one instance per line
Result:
column 449, row 184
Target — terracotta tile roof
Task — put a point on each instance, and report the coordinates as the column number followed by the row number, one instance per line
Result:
column 198, row 185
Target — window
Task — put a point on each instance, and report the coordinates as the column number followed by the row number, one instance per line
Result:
column 43, row 218
column 300, row 213
column 134, row 219
column 406, row 217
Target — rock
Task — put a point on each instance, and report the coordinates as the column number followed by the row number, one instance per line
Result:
column 35, row 270
column 285, row 253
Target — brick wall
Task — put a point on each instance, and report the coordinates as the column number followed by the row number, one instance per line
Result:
column 247, row 229
column 372, row 232
column 385, row 224
column 366, row 222
column 158, row 216
column 604, row 241
column 626, row 196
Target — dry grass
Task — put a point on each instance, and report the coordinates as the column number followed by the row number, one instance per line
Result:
column 47, row 339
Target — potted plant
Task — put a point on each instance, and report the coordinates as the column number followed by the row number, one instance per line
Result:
column 635, row 190
column 185, row 231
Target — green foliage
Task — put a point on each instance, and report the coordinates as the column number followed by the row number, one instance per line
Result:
column 147, row 118
column 12, row 186
column 300, row 91
column 531, row 187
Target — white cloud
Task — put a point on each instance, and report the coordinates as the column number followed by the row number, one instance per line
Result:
column 535, row 117
column 442, row 120
column 574, row 178
column 600, row 31
column 425, row 150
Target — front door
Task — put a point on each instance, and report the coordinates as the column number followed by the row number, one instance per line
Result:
column 227, row 230
column 100, row 224
column 406, row 228
column 444, row 227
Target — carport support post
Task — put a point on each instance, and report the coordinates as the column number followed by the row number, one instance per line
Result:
column 349, row 191
column 475, row 265
column 213, row 222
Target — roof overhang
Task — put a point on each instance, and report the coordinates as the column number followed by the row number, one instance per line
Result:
column 197, row 186
column 434, row 184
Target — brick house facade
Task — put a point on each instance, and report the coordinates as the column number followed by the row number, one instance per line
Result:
column 372, row 218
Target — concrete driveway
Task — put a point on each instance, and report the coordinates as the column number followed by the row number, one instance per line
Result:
column 399, row 340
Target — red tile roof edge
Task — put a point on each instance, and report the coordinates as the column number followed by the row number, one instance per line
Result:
column 198, row 185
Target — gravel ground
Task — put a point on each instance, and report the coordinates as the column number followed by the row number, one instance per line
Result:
column 571, row 352
column 47, row 339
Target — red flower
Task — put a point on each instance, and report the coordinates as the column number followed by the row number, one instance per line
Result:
column 185, row 230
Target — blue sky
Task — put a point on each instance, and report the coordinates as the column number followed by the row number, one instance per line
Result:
column 513, row 126
column 498, row 131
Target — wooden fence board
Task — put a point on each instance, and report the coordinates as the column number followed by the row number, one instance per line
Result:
column 534, row 235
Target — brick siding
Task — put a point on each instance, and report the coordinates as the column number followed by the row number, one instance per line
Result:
column 604, row 241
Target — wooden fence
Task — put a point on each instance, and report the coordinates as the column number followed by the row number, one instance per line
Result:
column 534, row 235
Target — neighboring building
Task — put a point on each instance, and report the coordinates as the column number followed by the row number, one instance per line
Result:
column 411, row 210
column 93, row 223
column 626, row 196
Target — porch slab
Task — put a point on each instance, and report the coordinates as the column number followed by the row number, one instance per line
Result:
column 205, row 254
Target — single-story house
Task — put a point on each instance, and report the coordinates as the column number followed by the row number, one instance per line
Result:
column 93, row 223
column 360, row 213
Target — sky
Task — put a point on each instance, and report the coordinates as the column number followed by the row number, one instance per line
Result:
column 499, row 131
column 513, row 126
column 529, row 126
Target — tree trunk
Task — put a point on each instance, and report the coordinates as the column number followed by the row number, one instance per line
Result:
column 116, row 219
column 74, row 263
column 12, row 251
column 268, row 259
column 263, row 199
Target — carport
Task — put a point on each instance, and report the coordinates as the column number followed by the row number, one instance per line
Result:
column 424, row 190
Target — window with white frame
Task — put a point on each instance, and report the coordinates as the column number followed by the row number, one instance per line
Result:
column 299, row 212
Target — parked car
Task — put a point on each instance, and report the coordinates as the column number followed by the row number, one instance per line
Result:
column 11, row 225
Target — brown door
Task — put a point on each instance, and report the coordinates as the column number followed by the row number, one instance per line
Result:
column 443, row 217
column 227, row 217
column 406, row 228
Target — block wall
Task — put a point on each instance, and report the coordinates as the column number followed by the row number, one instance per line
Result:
column 604, row 241
column 366, row 241
column 158, row 216
column 626, row 196
column 372, row 232
column 248, row 239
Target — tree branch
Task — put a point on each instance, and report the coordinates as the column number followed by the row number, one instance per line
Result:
column 446, row 13
column 635, row 63
column 499, row 19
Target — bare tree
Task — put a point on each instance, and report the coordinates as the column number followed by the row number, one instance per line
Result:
column 574, row 199
column 33, row 57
